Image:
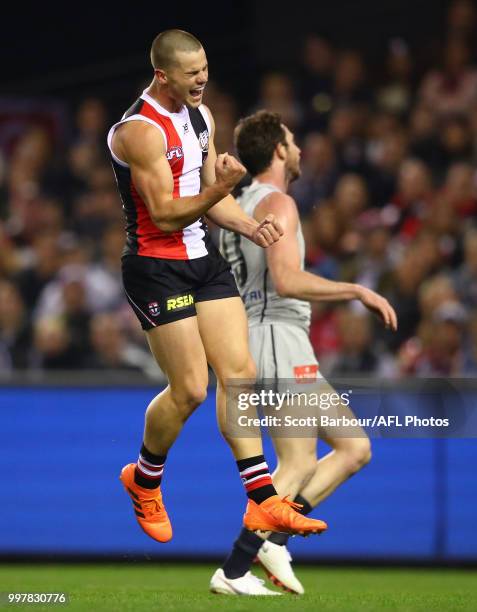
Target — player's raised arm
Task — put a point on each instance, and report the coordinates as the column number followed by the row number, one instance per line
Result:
column 228, row 214
column 290, row 280
column 142, row 146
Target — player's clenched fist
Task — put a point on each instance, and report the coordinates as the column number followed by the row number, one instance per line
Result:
column 267, row 232
column 228, row 171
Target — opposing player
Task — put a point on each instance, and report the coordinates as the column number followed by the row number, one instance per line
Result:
column 181, row 289
column 277, row 292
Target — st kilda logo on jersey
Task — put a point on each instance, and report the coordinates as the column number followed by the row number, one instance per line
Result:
column 174, row 153
column 204, row 141
column 154, row 309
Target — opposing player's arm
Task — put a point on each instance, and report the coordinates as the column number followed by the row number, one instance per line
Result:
column 142, row 146
column 227, row 213
column 283, row 259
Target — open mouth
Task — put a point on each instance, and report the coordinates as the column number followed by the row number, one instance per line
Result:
column 197, row 92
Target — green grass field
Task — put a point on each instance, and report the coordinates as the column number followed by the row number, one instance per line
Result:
column 184, row 588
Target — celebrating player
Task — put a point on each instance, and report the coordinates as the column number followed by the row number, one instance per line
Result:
column 277, row 292
column 176, row 281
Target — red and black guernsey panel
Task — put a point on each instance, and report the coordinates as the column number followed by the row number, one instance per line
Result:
column 143, row 236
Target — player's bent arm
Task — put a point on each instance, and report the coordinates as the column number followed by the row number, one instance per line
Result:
column 283, row 259
column 142, row 147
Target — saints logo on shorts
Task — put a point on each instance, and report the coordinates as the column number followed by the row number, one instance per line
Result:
column 154, row 309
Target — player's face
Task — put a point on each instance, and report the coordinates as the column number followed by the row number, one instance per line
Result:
column 188, row 78
column 293, row 156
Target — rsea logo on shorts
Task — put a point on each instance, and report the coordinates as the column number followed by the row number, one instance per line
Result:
column 180, row 301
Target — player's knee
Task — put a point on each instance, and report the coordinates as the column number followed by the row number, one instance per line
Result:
column 189, row 396
column 246, row 370
column 358, row 454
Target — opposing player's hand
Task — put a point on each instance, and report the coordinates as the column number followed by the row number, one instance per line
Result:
column 228, row 171
column 267, row 232
column 380, row 306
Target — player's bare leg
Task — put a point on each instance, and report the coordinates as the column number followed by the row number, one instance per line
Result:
column 296, row 464
column 224, row 331
column 178, row 350
column 348, row 456
column 297, row 459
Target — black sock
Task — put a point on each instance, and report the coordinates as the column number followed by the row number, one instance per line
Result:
column 256, row 478
column 149, row 469
column 245, row 549
column 282, row 538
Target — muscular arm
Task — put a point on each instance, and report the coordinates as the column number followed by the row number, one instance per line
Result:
column 283, row 259
column 142, row 146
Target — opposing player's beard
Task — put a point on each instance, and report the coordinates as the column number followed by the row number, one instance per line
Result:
column 293, row 173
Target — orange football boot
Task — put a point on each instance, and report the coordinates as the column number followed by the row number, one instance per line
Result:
column 275, row 514
column 148, row 507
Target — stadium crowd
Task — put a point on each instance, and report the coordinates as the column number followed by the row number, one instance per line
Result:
column 388, row 199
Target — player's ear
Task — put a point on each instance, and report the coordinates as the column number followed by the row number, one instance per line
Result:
column 281, row 151
column 160, row 76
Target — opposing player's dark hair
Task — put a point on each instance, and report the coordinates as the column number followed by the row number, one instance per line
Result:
column 256, row 138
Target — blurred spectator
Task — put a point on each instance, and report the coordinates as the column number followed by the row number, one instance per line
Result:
column 372, row 264
column 386, row 153
column 277, row 95
column 439, row 349
column 357, row 355
column 460, row 189
column 346, row 134
column 315, row 83
column 349, row 200
column 43, row 267
column 396, row 94
column 454, row 144
column 52, row 347
column 452, row 89
column 401, row 289
column 470, row 347
column 110, row 348
column 412, row 201
column 15, row 330
column 91, row 122
column 462, row 20
column 423, row 134
column 349, row 84
column 319, row 173
column 322, row 235
column 99, row 290
column 465, row 280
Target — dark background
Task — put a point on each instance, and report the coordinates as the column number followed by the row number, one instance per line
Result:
column 105, row 46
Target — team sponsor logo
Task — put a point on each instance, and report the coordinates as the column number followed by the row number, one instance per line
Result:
column 305, row 373
column 204, row 141
column 174, row 153
column 180, row 301
column 154, row 309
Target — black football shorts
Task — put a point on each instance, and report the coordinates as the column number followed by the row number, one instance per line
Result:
column 164, row 290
